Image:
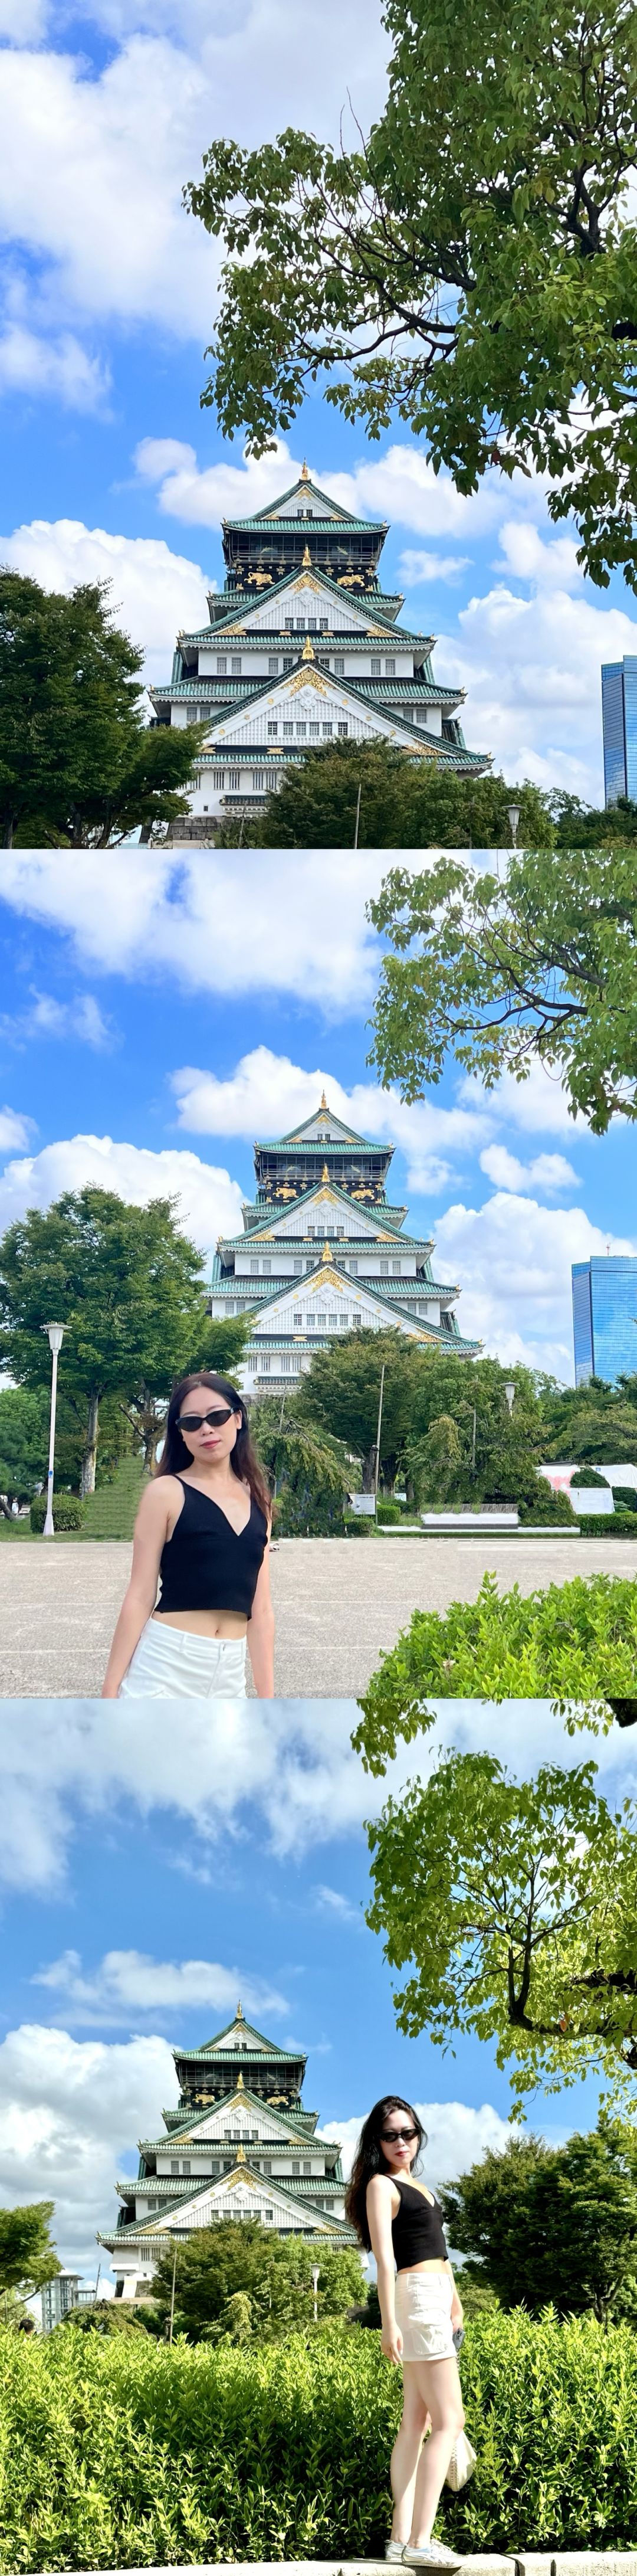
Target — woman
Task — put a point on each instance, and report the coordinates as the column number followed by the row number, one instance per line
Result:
column 202, row 1533
column 399, row 2219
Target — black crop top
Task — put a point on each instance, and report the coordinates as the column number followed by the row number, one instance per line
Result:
column 417, row 2229
column 207, row 1565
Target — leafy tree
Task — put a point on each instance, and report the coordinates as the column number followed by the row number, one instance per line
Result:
column 272, row 2275
column 306, row 1468
column 77, row 762
column 593, row 1421
column 553, row 2226
column 574, row 1643
column 513, row 1907
column 404, row 804
column 539, row 963
column 590, row 826
column 24, row 1434
column 469, row 268
column 129, row 1288
column 27, row 2257
column 466, row 1443
column 341, row 1392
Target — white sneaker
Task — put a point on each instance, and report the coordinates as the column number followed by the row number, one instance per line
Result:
column 394, row 2552
column 433, row 2555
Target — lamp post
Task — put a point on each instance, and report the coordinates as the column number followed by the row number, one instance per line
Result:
column 513, row 812
column 56, row 1335
column 378, row 1431
column 510, row 1396
column 315, row 2283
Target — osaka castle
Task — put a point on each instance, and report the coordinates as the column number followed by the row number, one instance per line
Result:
column 302, row 647
column 239, row 2145
column 322, row 1252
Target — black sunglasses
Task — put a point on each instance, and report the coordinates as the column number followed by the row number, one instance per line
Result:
column 195, row 1421
column 397, row 2137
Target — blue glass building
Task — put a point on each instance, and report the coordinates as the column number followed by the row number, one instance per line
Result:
column 619, row 724
column 605, row 1317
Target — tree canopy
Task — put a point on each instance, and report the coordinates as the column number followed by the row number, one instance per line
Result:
column 552, row 2226
column 27, row 2257
column 404, row 804
column 232, row 2279
column 127, row 1285
column 468, row 268
column 513, row 1907
column 538, row 962
column 78, row 764
column 573, row 1643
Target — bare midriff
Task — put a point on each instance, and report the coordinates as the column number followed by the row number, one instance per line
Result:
column 204, row 1623
column 435, row 2265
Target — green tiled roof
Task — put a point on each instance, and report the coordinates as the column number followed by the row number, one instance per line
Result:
column 383, row 603
column 304, row 483
column 301, row 2123
column 306, row 525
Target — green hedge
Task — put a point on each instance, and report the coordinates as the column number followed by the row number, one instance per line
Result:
column 122, row 2453
column 388, row 1512
column 607, row 1524
column 356, row 1527
column 68, row 1512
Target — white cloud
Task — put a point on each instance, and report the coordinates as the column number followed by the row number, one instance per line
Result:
column 69, row 2112
column 208, row 1201
column 514, row 1258
column 538, row 1106
column 153, row 592
column 47, row 1018
column 269, row 1094
column 23, row 21
column 62, row 368
column 182, row 913
column 399, row 486
column 127, row 1984
column 457, row 2134
column 531, row 667
column 415, row 566
column 63, row 1762
column 14, row 1130
column 330, row 1901
column 550, row 1172
column 202, row 497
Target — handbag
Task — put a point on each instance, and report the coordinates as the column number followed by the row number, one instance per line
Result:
column 462, row 2463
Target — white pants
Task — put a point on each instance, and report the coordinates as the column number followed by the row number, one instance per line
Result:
column 423, row 2313
column 171, row 1663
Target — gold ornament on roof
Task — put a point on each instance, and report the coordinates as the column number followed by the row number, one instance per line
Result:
column 241, row 2155
column 239, row 2012
column 240, row 2085
column 327, row 1254
column 306, row 560
column 323, row 1104
column 304, row 472
column 308, row 650
column 325, row 1174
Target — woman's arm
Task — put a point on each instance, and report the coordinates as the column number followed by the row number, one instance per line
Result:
column 261, row 1633
column 457, row 2311
column 379, row 2216
column 151, row 1529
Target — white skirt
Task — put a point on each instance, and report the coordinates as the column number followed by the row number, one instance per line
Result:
column 423, row 2313
column 171, row 1663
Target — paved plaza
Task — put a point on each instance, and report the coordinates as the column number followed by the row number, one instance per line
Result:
column 338, row 1602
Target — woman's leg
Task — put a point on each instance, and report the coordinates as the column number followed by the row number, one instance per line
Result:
column 406, row 2454
column 440, row 2395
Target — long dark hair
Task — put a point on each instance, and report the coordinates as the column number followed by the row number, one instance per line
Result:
column 243, row 1460
column 369, row 2160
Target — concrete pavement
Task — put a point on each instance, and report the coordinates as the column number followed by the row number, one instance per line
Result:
column 338, row 1602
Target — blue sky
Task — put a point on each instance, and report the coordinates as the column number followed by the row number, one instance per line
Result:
column 159, row 1014
column 150, row 1876
column 108, row 294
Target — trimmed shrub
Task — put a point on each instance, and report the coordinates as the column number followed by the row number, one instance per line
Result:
column 68, row 1512
column 547, row 1506
column 607, row 1524
column 624, row 1497
column 125, row 2453
column 355, row 1528
column 588, row 1476
column 388, row 1512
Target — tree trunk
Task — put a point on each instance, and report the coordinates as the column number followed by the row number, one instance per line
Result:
column 369, row 1464
column 87, row 1477
column 7, row 831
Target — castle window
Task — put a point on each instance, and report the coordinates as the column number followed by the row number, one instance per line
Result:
column 345, row 1321
column 235, row 781
column 298, row 1267
column 339, row 665
column 265, row 1361
column 314, row 733
column 295, row 2165
column 289, row 625
column 272, row 732
column 288, row 665
column 288, row 733
column 354, row 1269
column 254, row 1269
column 327, row 733
column 324, row 625
column 312, row 626
column 375, row 666
column 266, row 1268
column 219, row 778
column 270, row 780
column 300, row 625
column 273, row 665
column 236, row 666
column 257, row 780
column 333, row 1323
column 343, row 730
column 390, row 668
column 397, row 1265
column 222, row 662
column 297, row 1321
column 384, row 1269
column 174, row 2164
column 186, row 2164
column 301, row 731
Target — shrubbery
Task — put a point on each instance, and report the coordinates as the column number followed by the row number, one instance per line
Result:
column 387, row 1513
column 67, row 1512
column 125, row 2453
column 607, row 1524
column 546, row 1506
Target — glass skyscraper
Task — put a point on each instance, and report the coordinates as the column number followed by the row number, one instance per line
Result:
column 619, row 724
column 605, row 1317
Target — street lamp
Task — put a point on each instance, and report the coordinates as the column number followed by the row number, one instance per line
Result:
column 56, row 1334
column 315, row 2283
column 510, row 1396
column 513, row 812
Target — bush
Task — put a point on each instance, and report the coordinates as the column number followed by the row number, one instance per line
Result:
column 388, row 1512
column 546, row 1506
column 568, row 1642
column 356, row 1528
column 587, row 1477
column 124, row 2453
column 624, row 1498
column 607, row 1524
column 68, row 1512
